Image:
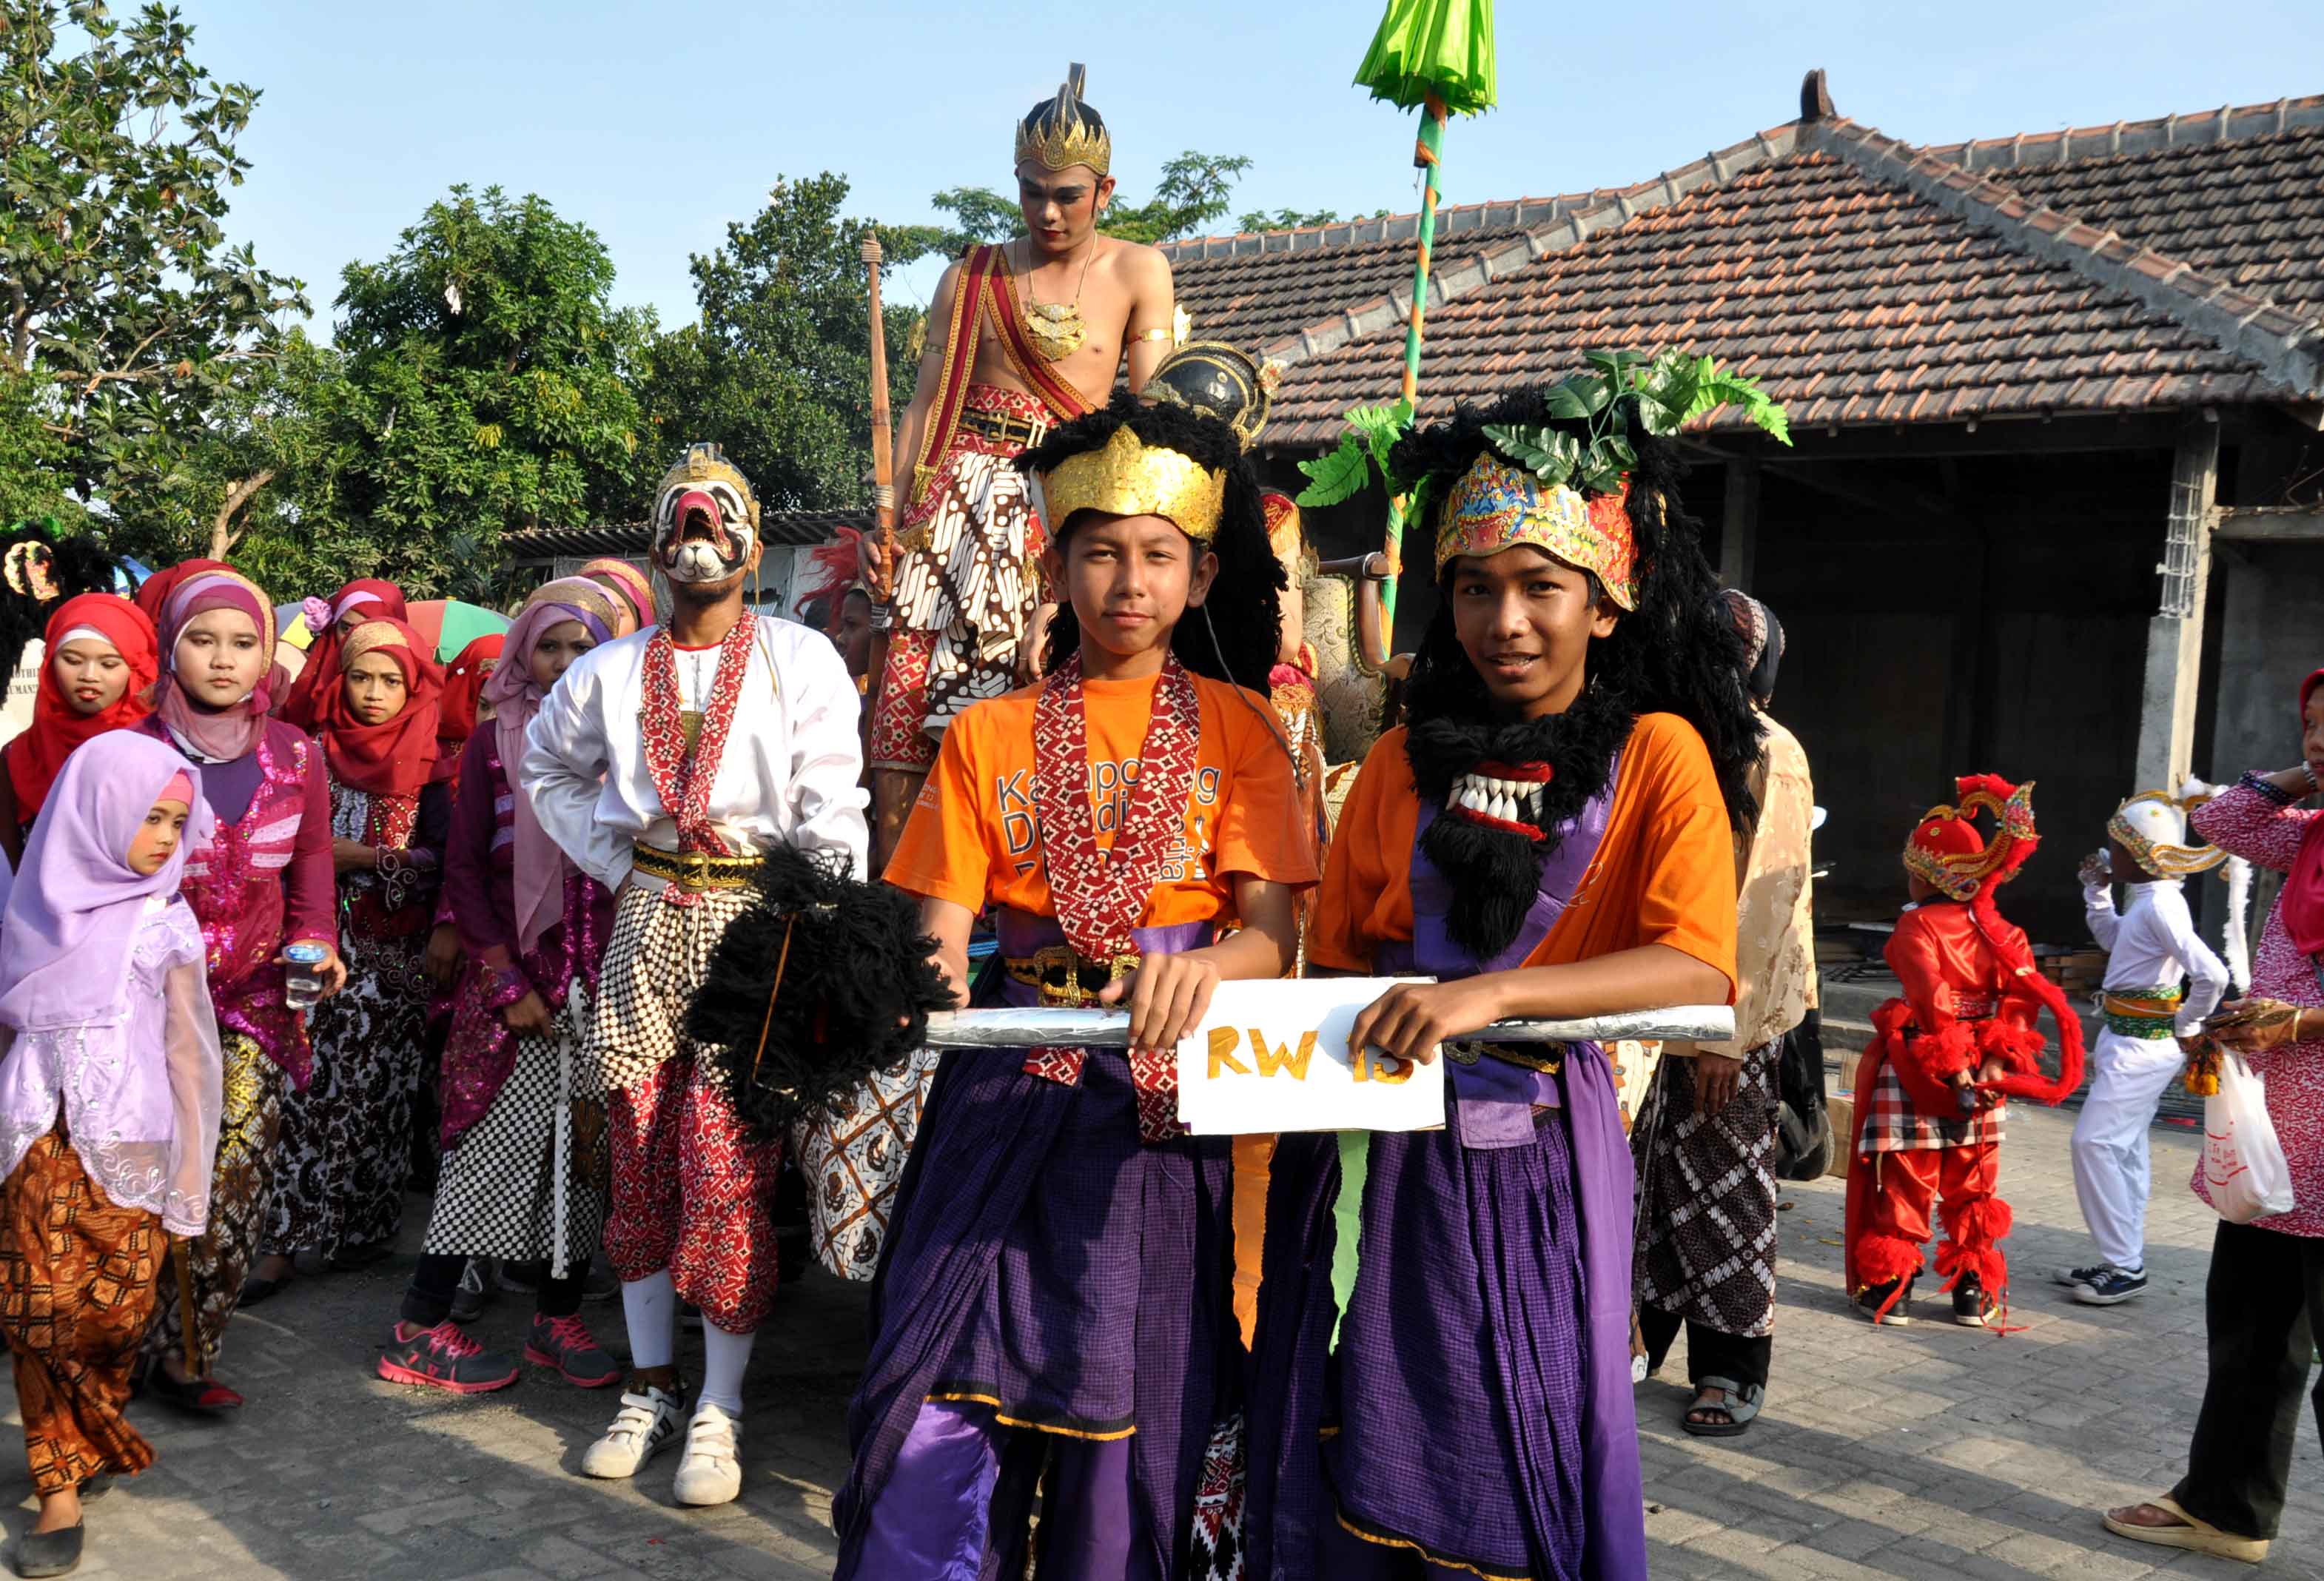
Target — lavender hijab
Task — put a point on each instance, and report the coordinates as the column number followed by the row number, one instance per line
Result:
column 540, row 867
column 73, row 914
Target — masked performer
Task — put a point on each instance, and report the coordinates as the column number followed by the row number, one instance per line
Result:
column 631, row 591
column 1707, row 1155
column 108, row 1112
column 359, row 601
column 2161, row 980
column 96, row 674
column 521, row 1159
column 1054, row 1297
column 1548, row 837
column 345, row 1143
column 662, row 766
column 1024, row 336
column 260, row 883
column 1943, row 1058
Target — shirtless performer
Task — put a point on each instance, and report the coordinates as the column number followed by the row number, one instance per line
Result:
column 1023, row 336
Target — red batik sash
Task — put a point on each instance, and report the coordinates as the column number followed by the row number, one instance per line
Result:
column 1099, row 892
column 682, row 779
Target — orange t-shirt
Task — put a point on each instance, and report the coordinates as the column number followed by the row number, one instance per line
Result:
column 973, row 837
column 1663, row 873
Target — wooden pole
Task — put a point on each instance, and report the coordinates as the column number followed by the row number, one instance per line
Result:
column 883, row 468
column 1427, row 153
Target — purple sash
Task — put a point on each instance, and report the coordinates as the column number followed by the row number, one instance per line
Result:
column 1493, row 1100
column 1493, row 1108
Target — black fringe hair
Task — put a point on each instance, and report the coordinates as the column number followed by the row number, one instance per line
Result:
column 1237, row 622
column 1677, row 652
column 823, row 981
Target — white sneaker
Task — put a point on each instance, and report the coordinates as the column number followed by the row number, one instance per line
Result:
column 647, row 1424
column 710, row 1472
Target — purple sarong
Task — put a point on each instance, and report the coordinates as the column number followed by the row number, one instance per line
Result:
column 1043, row 1270
column 1478, row 1407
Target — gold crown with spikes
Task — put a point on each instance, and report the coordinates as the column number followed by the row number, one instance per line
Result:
column 1069, row 139
column 1128, row 477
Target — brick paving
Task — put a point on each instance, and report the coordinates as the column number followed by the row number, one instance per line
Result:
column 1932, row 1452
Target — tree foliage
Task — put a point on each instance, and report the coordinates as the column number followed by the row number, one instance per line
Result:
column 127, row 317
column 1261, row 219
column 489, row 384
column 779, row 370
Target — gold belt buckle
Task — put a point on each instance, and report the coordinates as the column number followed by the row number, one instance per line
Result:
column 1058, row 959
column 694, row 871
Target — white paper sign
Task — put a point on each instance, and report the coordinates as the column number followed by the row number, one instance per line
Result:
column 1273, row 1056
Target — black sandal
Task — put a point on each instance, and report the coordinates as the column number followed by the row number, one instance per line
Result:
column 49, row 1553
column 355, row 1259
column 205, row 1396
column 257, row 1287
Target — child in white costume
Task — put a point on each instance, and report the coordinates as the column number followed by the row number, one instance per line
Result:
column 2160, row 981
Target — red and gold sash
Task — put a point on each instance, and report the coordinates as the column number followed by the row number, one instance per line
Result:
column 682, row 778
column 983, row 289
column 1100, row 892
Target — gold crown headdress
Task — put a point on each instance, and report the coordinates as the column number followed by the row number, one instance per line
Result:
column 1058, row 135
column 1126, row 476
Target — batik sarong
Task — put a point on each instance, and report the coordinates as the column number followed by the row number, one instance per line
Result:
column 241, row 1188
column 78, row 1276
column 1708, row 1184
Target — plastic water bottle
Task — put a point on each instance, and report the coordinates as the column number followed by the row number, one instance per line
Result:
column 302, row 984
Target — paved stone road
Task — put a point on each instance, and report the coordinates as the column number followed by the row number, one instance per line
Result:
column 1933, row 1452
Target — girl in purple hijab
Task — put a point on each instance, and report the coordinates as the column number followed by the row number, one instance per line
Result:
column 109, row 1101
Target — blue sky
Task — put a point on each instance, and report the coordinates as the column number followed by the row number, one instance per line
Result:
column 657, row 124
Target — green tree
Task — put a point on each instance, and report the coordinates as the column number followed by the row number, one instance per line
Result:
column 1259, row 219
column 125, row 318
column 779, row 370
column 490, row 384
column 1195, row 188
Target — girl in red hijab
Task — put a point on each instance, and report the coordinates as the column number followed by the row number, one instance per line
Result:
column 346, row 1147
column 464, row 697
column 101, row 659
column 366, row 599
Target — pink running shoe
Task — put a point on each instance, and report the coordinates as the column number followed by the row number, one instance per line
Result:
column 443, row 1357
column 564, row 1344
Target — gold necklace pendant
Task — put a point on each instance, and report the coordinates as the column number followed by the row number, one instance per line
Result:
column 1056, row 328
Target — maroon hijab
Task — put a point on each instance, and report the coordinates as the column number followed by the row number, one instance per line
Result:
column 2301, row 903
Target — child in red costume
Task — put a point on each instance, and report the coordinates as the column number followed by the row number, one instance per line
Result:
column 1943, row 1058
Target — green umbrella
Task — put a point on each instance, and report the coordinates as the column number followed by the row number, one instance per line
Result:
column 454, row 625
column 1435, row 56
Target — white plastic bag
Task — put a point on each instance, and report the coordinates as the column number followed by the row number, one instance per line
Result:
column 2244, row 1170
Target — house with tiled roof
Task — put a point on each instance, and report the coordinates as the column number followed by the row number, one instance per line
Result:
column 2054, row 505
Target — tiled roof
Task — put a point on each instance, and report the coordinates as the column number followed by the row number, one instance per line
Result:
column 1853, row 301
column 2143, row 265
column 792, row 527
column 1263, row 287
column 2247, row 209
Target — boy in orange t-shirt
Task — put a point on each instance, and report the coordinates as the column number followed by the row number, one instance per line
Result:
column 1053, row 1305
column 1440, row 1378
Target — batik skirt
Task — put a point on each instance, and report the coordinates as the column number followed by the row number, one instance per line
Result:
column 1707, row 1250
column 241, row 1190
column 78, row 1275
column 345, row 1150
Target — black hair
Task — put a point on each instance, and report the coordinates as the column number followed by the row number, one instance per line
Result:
column 1233, row 636
column 1677, row 652
column 855, row 592
column 1042, row 120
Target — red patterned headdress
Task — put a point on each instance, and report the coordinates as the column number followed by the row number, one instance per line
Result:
column 1946, row 851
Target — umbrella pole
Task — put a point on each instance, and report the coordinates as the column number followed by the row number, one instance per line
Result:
column 1427, row 153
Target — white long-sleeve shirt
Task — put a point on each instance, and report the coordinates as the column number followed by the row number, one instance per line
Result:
column 2153, row 943
column 787, row 776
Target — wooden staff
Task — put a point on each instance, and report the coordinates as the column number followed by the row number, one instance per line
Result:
column 883, row 468
column 196, row 1363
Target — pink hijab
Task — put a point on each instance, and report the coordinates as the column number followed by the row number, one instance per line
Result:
column 218, row 734
column 540, row 867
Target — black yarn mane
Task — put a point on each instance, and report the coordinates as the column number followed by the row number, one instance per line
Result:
column 842, row 963
column 1677, row 652
column 1244, row 605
